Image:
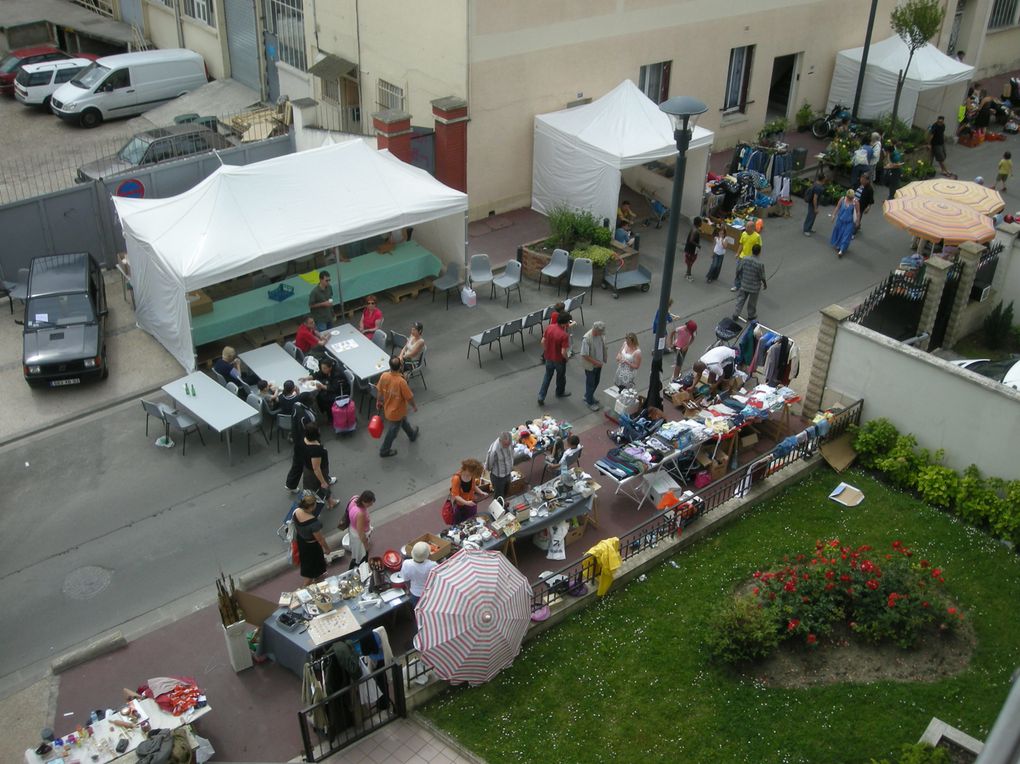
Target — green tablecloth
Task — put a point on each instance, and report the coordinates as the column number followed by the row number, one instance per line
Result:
column 364, row 275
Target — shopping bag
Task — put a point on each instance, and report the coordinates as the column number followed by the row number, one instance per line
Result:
column 468, row 297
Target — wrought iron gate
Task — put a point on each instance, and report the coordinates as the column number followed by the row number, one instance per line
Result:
column 938, row 332
column 894, row 307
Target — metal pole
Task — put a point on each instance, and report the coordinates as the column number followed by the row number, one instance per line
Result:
column 864, row 59
column 683, row 140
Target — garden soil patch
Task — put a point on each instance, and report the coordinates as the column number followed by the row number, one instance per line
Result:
column 840, row 658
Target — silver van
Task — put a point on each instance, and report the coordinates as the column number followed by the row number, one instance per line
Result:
column 128, row 84
column 35, row 83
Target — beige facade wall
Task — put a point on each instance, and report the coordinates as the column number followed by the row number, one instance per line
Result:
column 532, row 56
column 1000, row 53
column 203, row 39
column 423, row 51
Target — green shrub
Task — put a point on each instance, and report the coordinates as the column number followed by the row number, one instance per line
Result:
column 1006, row 522
column 938, row 485
column 805, row 115
column 599, row 256
column 569, row 228
column 740, row 631
column 873, row 440
column 998, row 325
column 976, row 502
column 902, row 464
column 919, row 753
column 602, row 236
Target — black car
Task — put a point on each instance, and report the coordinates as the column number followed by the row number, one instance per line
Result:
column 65, row 321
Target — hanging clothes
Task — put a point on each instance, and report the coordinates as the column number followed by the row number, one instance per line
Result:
column 604, row 557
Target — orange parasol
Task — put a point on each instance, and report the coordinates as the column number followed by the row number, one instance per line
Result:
column 938, row 220
column 987, row 201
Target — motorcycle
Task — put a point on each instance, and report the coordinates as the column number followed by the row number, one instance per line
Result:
column 825, row 126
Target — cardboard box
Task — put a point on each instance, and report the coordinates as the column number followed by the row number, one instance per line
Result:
column 199, row 302
column 680, row 398
column 575, row 533
column 716, row 467
column 748, row 440
column 442, row 552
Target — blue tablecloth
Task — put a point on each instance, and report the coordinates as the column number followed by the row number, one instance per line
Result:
column 364, row 275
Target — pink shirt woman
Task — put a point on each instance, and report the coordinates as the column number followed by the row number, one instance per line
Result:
column 371, row 318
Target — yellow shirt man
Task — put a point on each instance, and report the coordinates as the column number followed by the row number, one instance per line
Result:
column 747, row 240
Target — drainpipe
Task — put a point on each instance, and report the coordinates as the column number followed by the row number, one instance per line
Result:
column 180, row 24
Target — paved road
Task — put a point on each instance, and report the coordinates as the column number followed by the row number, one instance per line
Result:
column 99, row 527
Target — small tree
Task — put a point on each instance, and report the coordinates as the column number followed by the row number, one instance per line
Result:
column 916, row 22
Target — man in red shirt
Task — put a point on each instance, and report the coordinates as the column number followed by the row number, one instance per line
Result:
column 308, row 337
column 555, row 347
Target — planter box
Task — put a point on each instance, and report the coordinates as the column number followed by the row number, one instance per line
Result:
column 536, row 256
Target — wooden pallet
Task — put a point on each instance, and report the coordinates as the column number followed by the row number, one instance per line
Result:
column 409, row 290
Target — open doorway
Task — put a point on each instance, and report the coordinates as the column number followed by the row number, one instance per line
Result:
column 781, row 88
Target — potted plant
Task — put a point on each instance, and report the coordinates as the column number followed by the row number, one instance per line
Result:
column 772, row 130
column 573, row 230
column 804, row 117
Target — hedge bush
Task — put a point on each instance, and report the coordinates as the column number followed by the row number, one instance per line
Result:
column 989, row 503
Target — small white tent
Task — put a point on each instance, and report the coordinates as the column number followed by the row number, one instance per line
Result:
column 241, row 219
column 935, row 82
column 580, row 152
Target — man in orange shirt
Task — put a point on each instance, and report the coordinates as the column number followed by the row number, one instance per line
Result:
column 394, row 395
column 555, row 347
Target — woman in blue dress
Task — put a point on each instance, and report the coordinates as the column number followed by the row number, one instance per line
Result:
column 845, row 222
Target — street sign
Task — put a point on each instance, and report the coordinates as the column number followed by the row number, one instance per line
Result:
column 131, row 188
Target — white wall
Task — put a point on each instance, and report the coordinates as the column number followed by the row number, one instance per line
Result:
column 974, row 419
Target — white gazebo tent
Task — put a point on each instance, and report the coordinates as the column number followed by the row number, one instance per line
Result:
column 935, row 84
column 580, row 152
column 241, row 219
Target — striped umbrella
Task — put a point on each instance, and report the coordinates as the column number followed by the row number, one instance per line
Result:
column 987, row 201
column 472, row 616
column 935, row 220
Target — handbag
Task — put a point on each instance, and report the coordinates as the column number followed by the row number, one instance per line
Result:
column 447, row 511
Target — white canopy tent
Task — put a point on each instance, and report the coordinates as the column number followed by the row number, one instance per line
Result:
column 241, row 219
column 580, row 152
column 935, row 82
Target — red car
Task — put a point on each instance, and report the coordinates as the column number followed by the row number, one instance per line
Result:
column 12, row 62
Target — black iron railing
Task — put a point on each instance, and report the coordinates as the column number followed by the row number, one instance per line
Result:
column 668, row 524
column 352, row 713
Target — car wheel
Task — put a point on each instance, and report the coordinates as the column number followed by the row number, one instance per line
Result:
column 91, row 118
column 46, row 104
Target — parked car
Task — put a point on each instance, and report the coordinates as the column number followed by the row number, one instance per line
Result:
column 152, row 146
column 64, row 334
column 128, row 84
column 17, row 58
column 35, row 83
column 1006, row 371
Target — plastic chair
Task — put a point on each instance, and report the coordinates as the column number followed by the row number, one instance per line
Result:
column 232, row 387
column 295, row 351
column 397, row 341
column 486, row 338
column 479, row 270
column 418, row 368
column 157, row 410
column 509, row 279
column 379, row 339
column 253, row 423
column 532, row 320
column 557, row 268
column 574, row 460
column 284, row 423
column 583, row 274
column 218, row 377
column 186, row 425
column 574, row 304
column 510, row 328
column 448, row 282
column 15, row 290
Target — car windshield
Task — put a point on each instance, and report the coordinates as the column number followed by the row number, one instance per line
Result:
column 9, row 64
column 134, row 150
column 90, row 76
column 59, row 310
column 994, row 369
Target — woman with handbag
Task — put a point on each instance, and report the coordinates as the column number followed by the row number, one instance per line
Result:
column 311, row 544
column 464, row 491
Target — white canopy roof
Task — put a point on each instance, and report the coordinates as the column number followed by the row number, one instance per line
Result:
column 579, row 152
column 929, row 69
column 241, row 219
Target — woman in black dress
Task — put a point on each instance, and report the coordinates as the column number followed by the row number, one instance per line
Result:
column 312, row 546
column 315, row 458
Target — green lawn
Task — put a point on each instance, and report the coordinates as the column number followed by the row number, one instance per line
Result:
column 628, row 679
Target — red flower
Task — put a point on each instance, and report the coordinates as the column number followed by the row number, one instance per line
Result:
column 834, row 543
column 844, row 577
column 871, row 584
column 805, row 576
column 793, row 624
column 789, row 586
column 829, row 587
column 924, row 563
column 830, row 574
column 805, row 599
column 756, row 590
column 936, row 572
column 897, row 544
column 924, row 604
column 951, row 610
column 811, row 639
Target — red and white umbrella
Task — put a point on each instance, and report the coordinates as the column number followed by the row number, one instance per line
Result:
column 472, row 616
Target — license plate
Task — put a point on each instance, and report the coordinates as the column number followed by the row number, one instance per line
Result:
column 62, row 382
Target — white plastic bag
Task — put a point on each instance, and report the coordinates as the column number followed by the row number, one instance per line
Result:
column 468, row 296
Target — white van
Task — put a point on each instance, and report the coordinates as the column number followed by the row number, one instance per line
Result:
column 35, row 83
column 128, row 84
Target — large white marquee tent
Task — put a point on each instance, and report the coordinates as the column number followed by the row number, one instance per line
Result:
column 241, row 219
column 935, row 82
column 580, row 152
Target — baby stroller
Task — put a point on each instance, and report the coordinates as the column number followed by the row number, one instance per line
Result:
column 727, row 330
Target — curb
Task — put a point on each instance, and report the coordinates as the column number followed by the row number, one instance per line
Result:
column 107, row 643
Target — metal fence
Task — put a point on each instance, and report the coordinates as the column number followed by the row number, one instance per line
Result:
column 352, row 713
column 988, row 263
column 893, row 308
column 54, row 167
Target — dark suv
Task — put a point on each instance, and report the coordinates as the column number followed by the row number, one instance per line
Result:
column 65, row 321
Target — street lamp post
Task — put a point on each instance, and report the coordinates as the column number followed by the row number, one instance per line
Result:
column 682, row 111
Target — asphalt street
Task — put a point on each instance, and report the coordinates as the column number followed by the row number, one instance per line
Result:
column 100, row 528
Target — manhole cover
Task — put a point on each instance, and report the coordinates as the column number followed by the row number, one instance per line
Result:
column 85, row 583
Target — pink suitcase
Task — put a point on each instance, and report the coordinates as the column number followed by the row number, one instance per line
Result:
column 345, row 416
